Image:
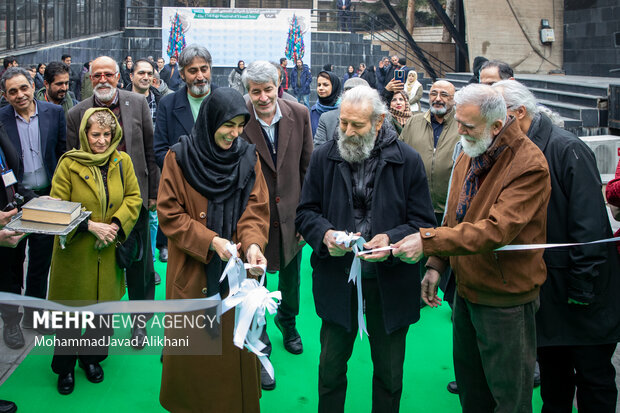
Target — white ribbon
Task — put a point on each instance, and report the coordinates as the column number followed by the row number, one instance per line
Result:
column 235, row 269
column 251, row 302
column 355, row 274
column 545, row 246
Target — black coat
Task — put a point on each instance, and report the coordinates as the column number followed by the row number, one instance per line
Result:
column 173, row 119
column 576, row 213
column 12, row 162
column 401, row 204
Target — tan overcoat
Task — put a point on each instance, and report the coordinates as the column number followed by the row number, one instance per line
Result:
column 230, row 382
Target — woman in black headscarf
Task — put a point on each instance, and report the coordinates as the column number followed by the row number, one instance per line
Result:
column 234, row 78
column 212, row 192
column 328, row 91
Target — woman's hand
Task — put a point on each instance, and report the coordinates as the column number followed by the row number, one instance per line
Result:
column 219, row 246
column 255, row 258
column 105, row 233
column 394, row 86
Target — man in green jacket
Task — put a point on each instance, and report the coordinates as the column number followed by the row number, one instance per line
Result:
column 434, row 135
column 56, row 90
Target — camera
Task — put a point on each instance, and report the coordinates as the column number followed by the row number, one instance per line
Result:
column 17, row 202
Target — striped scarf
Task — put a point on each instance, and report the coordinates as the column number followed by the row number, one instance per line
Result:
column 479, row 167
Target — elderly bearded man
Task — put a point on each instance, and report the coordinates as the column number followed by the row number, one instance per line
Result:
column 369, row 183
column 499, row 195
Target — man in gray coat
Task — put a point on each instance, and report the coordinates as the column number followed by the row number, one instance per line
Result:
column 134, row 115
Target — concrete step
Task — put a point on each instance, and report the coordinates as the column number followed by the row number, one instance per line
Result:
column 580, row 99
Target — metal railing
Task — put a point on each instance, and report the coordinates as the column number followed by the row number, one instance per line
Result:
column 372, row 27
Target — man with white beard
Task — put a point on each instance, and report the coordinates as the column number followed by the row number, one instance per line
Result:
column 368, row 183
column 134, row 116
column 499, row 195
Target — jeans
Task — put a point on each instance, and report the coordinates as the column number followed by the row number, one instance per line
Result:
column 153, row 230
column 304, row 100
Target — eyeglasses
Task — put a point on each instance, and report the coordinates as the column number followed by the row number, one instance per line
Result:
column 99, row 76
column 434, row 93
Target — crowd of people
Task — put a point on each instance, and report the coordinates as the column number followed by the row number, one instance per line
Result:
column 165, row 158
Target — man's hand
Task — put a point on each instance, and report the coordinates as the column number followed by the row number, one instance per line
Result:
column 335, row 250
column 379, row 241
column 219, row 246
column 300, row 240
column 10, row 238
column 409, row 249
column 430, row 285
column 255, row 257
column 105, row 233
column 152, row 204
column 394, row 86
column 5, row 217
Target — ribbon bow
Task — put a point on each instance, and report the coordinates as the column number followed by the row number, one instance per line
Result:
column 355, row 275
column 252, row 301
column 235, row 270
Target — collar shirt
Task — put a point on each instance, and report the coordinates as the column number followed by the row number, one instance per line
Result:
column 270, row 129
column 35, row 176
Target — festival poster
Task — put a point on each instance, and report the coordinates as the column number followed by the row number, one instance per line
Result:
column 231, row 35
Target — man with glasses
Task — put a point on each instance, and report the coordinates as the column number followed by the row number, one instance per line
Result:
column 134, row 116
column 37, row 131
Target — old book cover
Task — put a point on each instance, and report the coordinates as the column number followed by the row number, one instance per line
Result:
column 50, row 211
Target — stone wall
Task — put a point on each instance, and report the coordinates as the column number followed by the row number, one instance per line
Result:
column 590, row 28
column 510, row 31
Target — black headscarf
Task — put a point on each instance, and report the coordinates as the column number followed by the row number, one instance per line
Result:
column 238, row 69
column 328, row 67
column 224, row 177
column 332, row 98
column 478, row 62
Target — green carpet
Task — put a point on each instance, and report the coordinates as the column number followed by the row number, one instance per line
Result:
column 132, row 381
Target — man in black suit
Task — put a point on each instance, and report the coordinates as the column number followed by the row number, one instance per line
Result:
column 344, row 15
column 12, row 244
column 37, row 130
column 177, row 112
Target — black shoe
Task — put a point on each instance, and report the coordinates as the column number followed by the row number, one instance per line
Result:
column 66, row 382
column 291, row 337
column 7, row 406
column 537, row 375
column 138, row 338
column 28, row 324
column 266, row 382
column 453, row 388
column 13, row 337
column 157, row 278
column 163, row 254
column 94, row 372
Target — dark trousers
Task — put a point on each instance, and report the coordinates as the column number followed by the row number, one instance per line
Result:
column 386, row 350
column 587, row 368
column 141, row 274
column 12, row 261
column 288, row 285
column 40, row 249
column 494, row 356
column 64, row 358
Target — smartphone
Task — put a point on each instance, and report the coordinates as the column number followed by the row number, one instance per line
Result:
column 399, row 75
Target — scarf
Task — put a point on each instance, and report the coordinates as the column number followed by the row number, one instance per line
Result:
column 331, row 101
column 479, row 167
column 224, row 177
column 238, row 69
column 93, row 161
column 401, row 116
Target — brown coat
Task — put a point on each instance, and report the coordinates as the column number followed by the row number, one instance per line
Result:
column 285, row 180
column 509, row 208
column 226, row 383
